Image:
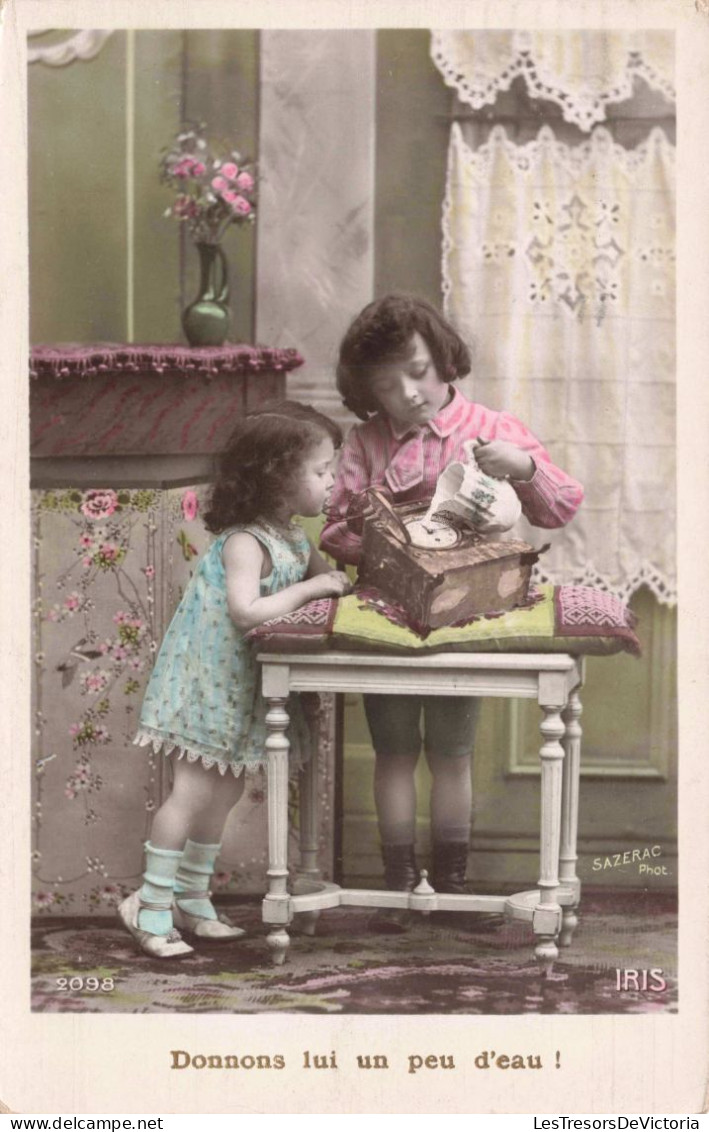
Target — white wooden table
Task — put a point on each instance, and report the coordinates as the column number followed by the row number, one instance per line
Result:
column 553, row 679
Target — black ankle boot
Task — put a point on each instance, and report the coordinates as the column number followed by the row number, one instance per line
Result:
column 400, row 870
column 401, row 875
column 449, row 866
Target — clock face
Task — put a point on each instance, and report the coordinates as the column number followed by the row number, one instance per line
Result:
column 429, row 534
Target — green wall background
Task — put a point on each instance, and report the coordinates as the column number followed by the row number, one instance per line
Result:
column 97, row 230
column 411, row 150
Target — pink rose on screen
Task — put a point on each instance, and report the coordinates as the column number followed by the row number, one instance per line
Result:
column 245, row 182
column 229, row 195
column 99, row 504
column 190, row 505
column 230, row 170
column 198, row 169
column 241, row 205
column 219, row 184
column 221, row 879
column 149, row 571
column 94, row 681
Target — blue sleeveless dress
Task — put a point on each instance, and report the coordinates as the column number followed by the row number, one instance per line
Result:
column 203, row 700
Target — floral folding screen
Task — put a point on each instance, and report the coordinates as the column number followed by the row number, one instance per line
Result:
column 109, row 568
column 558, row 266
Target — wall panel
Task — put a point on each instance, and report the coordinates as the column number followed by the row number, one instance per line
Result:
column 77, row 198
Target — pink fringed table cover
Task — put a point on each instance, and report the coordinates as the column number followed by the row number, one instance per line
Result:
column 153, row 399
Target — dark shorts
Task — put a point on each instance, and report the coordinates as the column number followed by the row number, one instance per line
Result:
column 449, row 724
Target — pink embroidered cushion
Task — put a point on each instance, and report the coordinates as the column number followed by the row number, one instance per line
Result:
column 308, row 629
column 574, row 619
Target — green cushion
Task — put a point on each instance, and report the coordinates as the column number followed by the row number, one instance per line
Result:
column 573, row 619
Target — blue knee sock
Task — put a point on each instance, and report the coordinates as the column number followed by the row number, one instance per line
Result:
column 158, row 884
column 193, row 875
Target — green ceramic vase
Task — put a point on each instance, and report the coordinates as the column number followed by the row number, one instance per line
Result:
column 206, row 320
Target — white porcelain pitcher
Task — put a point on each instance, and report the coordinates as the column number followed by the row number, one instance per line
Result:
column 464, row 492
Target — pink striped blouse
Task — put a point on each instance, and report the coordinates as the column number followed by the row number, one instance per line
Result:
column 409, row 464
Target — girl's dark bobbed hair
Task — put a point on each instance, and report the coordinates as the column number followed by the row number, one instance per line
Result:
column 261, row 460
column 382, row 333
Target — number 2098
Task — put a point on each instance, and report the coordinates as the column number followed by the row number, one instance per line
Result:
column 91, row 983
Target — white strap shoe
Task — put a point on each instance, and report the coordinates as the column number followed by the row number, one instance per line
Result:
column 221, row 928
column 170, row 946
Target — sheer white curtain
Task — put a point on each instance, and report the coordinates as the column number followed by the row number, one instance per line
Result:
column 558, row 267
column 581, row 71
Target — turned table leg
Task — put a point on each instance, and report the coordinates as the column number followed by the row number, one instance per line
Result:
column 276, row 904
column 570, row 812
column 308, row 793
column 308, row 869
column 547, row 914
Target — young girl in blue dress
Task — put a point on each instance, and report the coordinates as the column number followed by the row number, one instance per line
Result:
column 203, row 704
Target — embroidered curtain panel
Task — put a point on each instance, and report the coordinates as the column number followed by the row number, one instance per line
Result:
column 581, row 71
column 558, row 266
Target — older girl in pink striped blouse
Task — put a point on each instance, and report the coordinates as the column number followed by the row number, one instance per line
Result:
column 395, row 365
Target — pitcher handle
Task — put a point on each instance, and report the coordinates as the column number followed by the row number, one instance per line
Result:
column 469, row 447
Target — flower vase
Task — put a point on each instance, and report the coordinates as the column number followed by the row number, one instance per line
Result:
column 206, row 320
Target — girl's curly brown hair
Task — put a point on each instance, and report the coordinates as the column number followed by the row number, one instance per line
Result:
column 382, row 333
column 261, row 459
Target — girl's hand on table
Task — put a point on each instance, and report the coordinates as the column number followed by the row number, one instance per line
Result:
column 333, row 584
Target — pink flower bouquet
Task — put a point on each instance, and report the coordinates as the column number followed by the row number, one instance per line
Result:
column 214, row 189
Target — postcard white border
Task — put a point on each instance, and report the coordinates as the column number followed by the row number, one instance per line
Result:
column 75, row 1064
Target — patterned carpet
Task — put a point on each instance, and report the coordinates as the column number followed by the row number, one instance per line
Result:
column 474, row 966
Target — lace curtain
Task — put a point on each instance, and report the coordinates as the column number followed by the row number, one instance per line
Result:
column 581, row 71
column 558, row 264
